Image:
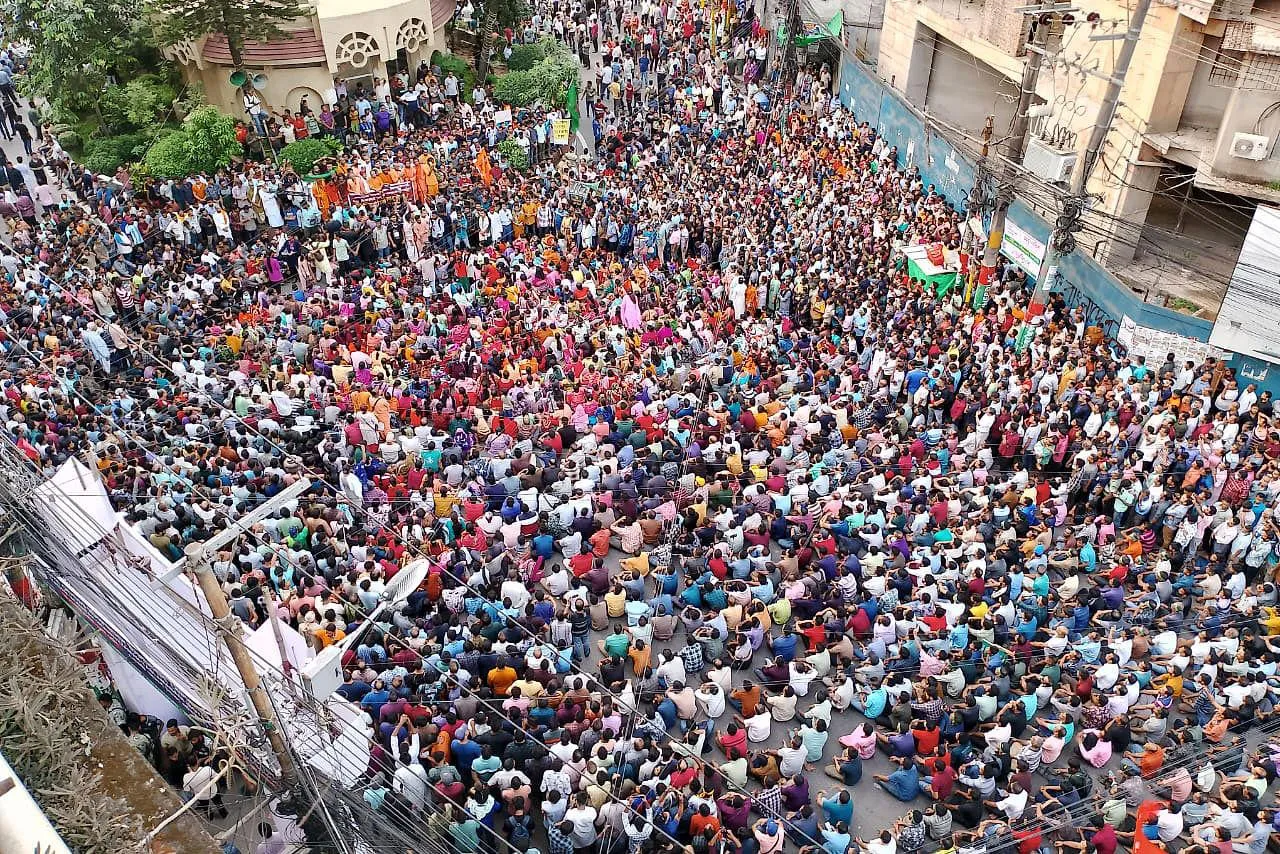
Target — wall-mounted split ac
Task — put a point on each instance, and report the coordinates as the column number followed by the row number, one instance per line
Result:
column 1250, row 146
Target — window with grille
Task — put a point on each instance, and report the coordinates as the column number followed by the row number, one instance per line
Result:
column 1238, row 35
column 1260, row 71
column 1226, row 68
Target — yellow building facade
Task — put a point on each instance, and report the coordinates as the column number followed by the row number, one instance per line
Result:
column 340, row 41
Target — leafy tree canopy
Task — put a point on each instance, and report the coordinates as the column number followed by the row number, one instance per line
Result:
column 304, row 153
column 206, row 143
column 515, row 155
column 78, row 46
column 507, row 12
column 545, row 80
column 140, row 103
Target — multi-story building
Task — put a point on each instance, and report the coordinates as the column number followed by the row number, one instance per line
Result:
column 1193, row 147
column 340, row 41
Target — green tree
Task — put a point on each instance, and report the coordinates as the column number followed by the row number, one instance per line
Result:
column 238, row 20
column 507, row 13
column 206, row 142
column 304, row 153
column 515, row 155
column 523, row 56
column 213, row 139
column 139, row 103
column 77, row 46
column 546, row 80
column 170, row 157
column 104, row 155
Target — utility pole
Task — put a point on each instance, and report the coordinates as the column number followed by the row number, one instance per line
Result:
column 977, row 204
column 1061, row 241
column 788, row 69
column 229, row 627
column 232, row 630
column 1015, row 144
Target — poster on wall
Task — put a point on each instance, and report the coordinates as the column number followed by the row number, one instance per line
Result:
column 1022, row 248
column 1156, row 345
column 1249, row 319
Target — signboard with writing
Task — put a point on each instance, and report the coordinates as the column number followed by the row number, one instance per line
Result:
column 502, row 117
column 1022, row 248
column 560, row 132
column 1156, row 345
column 581, row 189
column 387, row 192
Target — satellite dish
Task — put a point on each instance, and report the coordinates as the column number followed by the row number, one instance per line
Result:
column 405, row 582
column 259, row 81
column 238, row 78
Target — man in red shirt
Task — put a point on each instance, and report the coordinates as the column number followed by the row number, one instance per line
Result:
column 942, row 782
column 926, row 735
column 733, row 742
column 1102, row 839
column 1027, row 834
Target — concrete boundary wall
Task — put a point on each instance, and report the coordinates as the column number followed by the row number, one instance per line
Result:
column 1083, row 281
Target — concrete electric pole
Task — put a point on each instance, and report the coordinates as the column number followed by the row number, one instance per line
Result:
column 231, row 629
column 1060, row 240
column 1017, row 140
column 975, row 208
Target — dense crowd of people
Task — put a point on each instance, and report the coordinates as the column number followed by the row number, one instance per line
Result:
column 693, row 460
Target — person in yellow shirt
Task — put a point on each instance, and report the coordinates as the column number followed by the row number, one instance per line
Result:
column 530, row 689
column 616, row 601
column 361, row 399
column 444, row 504
column 1271, row 620
column 329, row 635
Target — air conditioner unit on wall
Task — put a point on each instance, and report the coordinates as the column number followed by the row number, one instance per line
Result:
column 1250, row 146
column 1051, row 164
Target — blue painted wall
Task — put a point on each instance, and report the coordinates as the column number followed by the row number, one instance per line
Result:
column 953, row 174
column 872, row 101
column 1107, row 292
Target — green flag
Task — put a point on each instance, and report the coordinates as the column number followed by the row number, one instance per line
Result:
column 811, row 33
column 571, row 106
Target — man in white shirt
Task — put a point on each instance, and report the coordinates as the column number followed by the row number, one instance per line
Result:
column 1011, row 804
column 411, row 781
column 671, row 670
column 710, row 697
column 758, row 725
column 583, row 818
column 791, row 758
column 1170, row 823
column 558, row 581
column 200, row 784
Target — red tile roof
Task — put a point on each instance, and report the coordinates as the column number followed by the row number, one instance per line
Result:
column 299, row 46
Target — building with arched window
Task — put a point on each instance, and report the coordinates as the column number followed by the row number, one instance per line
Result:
column 342, row 42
